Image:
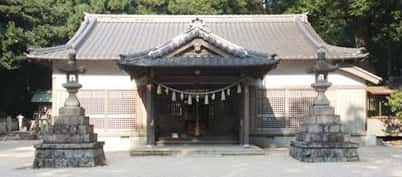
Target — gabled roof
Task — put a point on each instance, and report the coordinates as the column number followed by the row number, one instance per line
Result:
column 380, row 90
column 361, row 73
column 106, row 37
column 197, row 47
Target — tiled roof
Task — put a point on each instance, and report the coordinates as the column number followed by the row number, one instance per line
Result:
column 186, row 50
column 106, row 37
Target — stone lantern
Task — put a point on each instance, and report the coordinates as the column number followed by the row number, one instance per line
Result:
column 321, row 69
column 71, row 141
column 322, row 137
column 72, row 85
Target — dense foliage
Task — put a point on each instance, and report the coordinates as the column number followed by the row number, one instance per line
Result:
column 395, row 103
column 373, row 24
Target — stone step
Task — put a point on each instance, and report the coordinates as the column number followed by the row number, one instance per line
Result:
column 201, row 140
column 321, row 137
column 70, row 138
column 191, row 150
column 71, row 129
column 17, row 135
column 71, row 120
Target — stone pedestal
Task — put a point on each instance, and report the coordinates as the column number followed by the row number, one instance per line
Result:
column 322, row 139
column 70, row 142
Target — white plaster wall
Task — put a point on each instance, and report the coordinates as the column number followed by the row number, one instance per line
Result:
column 347, row 94
column 351, row 106
column 99, row 75
column 295, row 74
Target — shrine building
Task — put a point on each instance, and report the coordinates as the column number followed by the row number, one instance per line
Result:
column 188, row 79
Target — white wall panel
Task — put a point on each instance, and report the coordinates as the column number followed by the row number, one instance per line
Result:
column 99, row 75
column 296, row 74
column 101, row 82
column 351, row 106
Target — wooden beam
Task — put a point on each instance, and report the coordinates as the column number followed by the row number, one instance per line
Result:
column 207, row 80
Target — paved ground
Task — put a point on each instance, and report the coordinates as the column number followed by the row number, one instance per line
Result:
column 16, row 159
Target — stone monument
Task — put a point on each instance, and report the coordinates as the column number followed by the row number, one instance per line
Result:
column 322, row 139
column 70, row 142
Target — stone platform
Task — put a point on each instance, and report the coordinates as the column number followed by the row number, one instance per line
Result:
column 322, row 139
column 69, row 155
column 184, row 150
column 70, row 142
column 338, row 152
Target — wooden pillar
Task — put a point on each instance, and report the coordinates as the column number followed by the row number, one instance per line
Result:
column 150, row 115
column 246, row 111
column 241, row 117
column 197, row 119
column 253, row 92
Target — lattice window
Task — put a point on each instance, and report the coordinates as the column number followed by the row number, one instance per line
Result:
column 300, row 101
column 92, row 100
column 122, row 123
column 275, row 104
column 281, row 108
column 107, row 109
column 121, row 109
column 98, row 123
column 122, row 101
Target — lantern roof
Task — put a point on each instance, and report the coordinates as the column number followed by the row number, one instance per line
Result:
column 322, row 66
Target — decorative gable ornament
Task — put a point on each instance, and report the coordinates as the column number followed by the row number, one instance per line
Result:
column 197, row 23
column 198, row 36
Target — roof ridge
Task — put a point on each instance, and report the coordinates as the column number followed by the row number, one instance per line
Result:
column 83, row 30
column 184, row 18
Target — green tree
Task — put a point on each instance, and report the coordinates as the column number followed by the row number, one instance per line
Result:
column 39, row 23
column 199, row 7
column 152, row 6
column 395, row 103
column 375, row 25
column 193, row 7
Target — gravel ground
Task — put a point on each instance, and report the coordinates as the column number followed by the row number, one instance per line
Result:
column 16, row 159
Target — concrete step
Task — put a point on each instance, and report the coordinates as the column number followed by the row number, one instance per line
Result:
column 172, row 142
column 198, row 140
column 190, row 150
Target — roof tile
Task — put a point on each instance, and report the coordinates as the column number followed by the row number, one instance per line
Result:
column 105, row 37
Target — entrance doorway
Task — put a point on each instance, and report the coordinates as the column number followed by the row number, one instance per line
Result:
column 179, row 122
